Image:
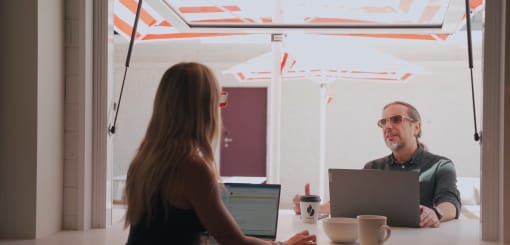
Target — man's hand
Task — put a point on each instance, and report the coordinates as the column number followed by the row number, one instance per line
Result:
column 297, row 199
column 428, row 217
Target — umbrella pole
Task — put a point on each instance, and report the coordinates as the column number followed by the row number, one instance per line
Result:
column 275, row 104
column 322, row 138
column 275, row 101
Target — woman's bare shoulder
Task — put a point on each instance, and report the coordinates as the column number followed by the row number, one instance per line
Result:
column 196, row 169
column 194, row 164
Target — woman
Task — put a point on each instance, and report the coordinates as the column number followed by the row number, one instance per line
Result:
column 172, row 186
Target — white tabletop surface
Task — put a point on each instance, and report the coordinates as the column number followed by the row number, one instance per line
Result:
column 463, row 231
column 243, row 179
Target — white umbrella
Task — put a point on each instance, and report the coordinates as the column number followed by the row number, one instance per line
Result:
column 327, row 60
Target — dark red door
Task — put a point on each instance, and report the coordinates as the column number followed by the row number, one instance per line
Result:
column 243, row 138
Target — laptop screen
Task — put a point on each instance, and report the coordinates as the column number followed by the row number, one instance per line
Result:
column 395, row 194
column 254, row 207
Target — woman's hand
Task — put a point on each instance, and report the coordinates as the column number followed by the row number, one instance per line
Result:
column 301, row 238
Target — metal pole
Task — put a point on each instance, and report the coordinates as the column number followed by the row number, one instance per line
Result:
column 275, row 102
column 322, row 138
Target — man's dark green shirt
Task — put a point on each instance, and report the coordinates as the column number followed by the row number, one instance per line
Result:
column 437, row 177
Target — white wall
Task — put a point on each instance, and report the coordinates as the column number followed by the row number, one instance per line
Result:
column 50, row 116
column 441, row 94
column 31, row 110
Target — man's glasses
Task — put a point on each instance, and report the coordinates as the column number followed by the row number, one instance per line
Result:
column 397, row 119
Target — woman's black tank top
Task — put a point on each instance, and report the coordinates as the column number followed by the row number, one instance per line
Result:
column 168, row 225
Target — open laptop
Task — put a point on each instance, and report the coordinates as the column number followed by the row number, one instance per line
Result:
column 254, row 207
column 394, row 194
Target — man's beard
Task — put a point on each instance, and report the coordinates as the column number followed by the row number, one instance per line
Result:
column 394, row 146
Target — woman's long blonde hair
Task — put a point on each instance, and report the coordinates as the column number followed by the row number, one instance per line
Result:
column 184, row 124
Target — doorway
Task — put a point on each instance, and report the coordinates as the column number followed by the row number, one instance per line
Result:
column 243, row 136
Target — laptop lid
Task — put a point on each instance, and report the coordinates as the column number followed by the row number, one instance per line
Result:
column 394, row 194
column 254, row 207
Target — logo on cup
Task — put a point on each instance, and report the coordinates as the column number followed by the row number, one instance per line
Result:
column 310, row 210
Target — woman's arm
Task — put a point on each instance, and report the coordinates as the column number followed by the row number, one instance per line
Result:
column 201, row 190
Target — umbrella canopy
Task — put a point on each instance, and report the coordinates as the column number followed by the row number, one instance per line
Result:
column 326, row 60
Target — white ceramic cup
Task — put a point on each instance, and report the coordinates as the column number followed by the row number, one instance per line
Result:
column 341, row 229
column 372, row 229
column 309, row 205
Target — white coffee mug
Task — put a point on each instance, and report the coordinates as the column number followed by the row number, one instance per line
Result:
column 309, row 205
column 372, row 229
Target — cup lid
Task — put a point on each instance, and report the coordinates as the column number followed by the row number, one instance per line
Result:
column 310, row 198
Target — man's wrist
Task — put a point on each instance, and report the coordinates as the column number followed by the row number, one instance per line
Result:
column 438, row 212
column 276, row 243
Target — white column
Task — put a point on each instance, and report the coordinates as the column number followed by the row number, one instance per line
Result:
column 322, row 138
column 101, row 206
column 275, row 103
column 493, row 126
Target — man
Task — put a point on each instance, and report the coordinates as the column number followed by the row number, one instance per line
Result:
column 439, row 197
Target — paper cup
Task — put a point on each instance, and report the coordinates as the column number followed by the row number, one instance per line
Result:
column 310, row 208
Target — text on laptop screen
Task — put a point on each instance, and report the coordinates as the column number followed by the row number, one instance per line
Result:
column 254, row 207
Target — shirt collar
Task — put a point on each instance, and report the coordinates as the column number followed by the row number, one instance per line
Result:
column 416, row 156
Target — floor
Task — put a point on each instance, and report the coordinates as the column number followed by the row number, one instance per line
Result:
column 112, row 235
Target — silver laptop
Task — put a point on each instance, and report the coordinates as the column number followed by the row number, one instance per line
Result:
column 254, row 207
column 394, row 194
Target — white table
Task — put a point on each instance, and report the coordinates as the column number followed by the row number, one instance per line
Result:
column 463, row 231
column 243, row 179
